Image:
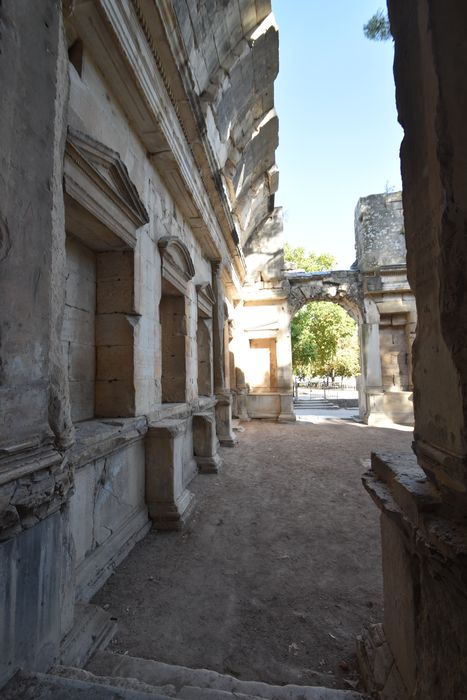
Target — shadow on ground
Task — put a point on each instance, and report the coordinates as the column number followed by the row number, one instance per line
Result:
column 279, row 568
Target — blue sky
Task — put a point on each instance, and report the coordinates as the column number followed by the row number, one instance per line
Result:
column 338, row 130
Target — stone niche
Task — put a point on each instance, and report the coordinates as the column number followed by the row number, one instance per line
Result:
column 204, row 340
column 177, row 272
column 102, row 214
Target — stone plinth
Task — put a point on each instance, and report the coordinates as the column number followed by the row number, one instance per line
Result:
column 169, row 503
column 287, row 414
column 224, row 420
column 206, row 444
column 425, row 582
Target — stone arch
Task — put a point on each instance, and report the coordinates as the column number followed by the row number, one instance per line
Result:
column 342, row 287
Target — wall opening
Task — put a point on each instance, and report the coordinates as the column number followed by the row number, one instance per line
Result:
column 204, row 349
column 97, row 335
column 174, row 345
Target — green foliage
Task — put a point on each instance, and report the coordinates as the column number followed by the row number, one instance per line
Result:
column 377, row 28
column 310, row 262
column 324, row 342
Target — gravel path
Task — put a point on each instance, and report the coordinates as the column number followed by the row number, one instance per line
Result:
column 278, row 570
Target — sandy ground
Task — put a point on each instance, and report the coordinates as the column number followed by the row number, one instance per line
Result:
column 279, row 568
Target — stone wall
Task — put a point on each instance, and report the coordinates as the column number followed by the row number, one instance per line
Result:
column 135, row 168
column 379, row 231
column 422, row 500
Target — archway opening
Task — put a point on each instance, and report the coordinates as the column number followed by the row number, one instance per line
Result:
column 326, row 357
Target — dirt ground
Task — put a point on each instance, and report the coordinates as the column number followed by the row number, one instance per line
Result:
column 279, row 568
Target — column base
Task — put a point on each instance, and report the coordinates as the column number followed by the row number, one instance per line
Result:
column 209, row 465
column 286, row 418
column 224, row 420
column 172, row 516
column 287, row 414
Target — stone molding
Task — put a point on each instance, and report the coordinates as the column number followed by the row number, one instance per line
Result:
column 206, row 299
column 101, row 437
column 96, row 178
column 34, row 483
column 177, row 265
column 120, row 39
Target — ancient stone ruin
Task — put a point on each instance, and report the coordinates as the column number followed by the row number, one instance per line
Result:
column 143, row 303
column 377, row 295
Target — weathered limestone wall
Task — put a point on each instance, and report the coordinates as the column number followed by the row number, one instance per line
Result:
column 423, row 505
column 132, row 170
column 373, row 215
column 35, row 549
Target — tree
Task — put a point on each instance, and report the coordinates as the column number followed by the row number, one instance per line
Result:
column 324, row 341
column 377, row 28
column 309, row 262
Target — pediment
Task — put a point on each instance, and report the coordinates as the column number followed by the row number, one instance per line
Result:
column 177, row 265
column 98, row 180
column 206, row 299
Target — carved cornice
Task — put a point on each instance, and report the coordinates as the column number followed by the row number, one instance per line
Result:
column 121, row 36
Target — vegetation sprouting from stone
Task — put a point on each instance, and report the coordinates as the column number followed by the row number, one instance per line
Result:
column 324, row 337
column 377, row 28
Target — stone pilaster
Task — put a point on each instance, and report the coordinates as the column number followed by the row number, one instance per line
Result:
column 223, row 395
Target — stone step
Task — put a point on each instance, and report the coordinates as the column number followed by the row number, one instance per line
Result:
column 133, row 684
column 45, row 686
column 319, row 405
column 196, row 684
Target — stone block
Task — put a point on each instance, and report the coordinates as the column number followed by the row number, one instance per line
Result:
column 115, row 398
column 114, row 363
column 399, row 603
column 113, row 329
column 115, row 296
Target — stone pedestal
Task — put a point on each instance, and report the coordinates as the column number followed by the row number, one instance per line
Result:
column 425, row 583
column 374, row 413
column 287, row 414
column 206, row 444
column 242, row 405
column 169, row 503
column 224, row 420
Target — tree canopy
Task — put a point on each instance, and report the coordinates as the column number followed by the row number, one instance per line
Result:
column 324, row 341
column 377, row 28
column 307, row 261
